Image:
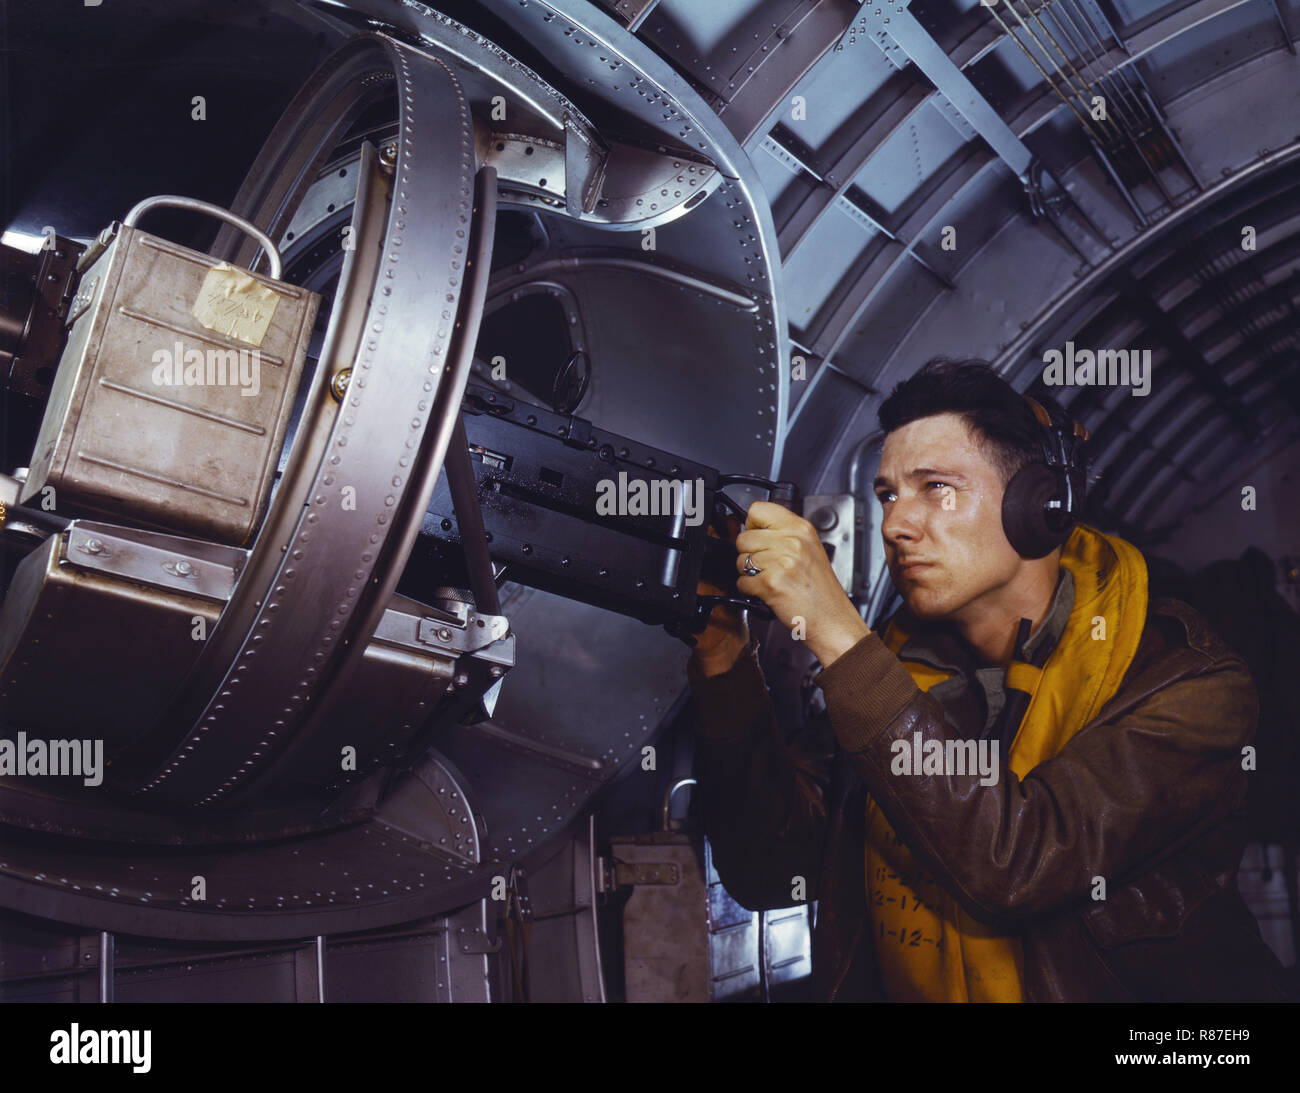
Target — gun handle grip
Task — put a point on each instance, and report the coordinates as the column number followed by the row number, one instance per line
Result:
column 785, row 494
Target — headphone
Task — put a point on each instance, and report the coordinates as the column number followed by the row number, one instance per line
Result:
column 1043, row 500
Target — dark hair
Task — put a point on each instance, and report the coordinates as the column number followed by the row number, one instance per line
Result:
column 999, row 416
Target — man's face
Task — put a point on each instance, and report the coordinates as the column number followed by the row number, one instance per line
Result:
column 941, row 501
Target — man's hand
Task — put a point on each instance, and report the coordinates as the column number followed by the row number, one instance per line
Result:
column 797, row 581
column 719, row 644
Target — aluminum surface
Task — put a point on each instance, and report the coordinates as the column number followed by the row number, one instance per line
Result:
column 324, row 581
column 160, row 413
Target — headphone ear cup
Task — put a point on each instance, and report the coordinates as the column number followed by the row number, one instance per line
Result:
column 1024, row 513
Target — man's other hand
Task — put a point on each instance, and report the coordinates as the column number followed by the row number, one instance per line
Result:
column 719, row 644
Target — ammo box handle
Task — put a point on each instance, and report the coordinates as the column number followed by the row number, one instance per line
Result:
column 195, row 205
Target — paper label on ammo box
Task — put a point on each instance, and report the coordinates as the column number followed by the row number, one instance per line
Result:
column 235, row 304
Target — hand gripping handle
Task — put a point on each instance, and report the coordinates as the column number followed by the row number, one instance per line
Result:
column 785, row 494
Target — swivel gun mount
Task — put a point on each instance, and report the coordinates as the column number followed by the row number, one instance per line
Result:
column 558, row 503
column 597, row 517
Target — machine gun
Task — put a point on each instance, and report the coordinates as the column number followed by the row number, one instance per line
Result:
column 584, row 513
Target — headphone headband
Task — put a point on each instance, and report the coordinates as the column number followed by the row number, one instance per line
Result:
column 1045, row 419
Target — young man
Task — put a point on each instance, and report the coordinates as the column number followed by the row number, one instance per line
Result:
column 1037, row 781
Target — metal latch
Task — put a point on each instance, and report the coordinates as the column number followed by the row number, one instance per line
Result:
column 646, row 872
column 475, row 942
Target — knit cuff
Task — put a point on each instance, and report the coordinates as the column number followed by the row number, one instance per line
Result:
column 865, row 689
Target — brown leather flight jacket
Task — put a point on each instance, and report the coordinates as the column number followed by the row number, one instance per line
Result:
column 1148, row 795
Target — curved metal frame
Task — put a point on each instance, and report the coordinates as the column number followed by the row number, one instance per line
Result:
column 830, row 330
column 423, row 381
column 1019, row 347
column 313, row 617
column 666, row 100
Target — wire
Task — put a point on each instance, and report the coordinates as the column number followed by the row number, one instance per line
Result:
column 1120, row 123
column 1047, row 55
column 1119, row 71
column 1117, row 76
column 1085, row 122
